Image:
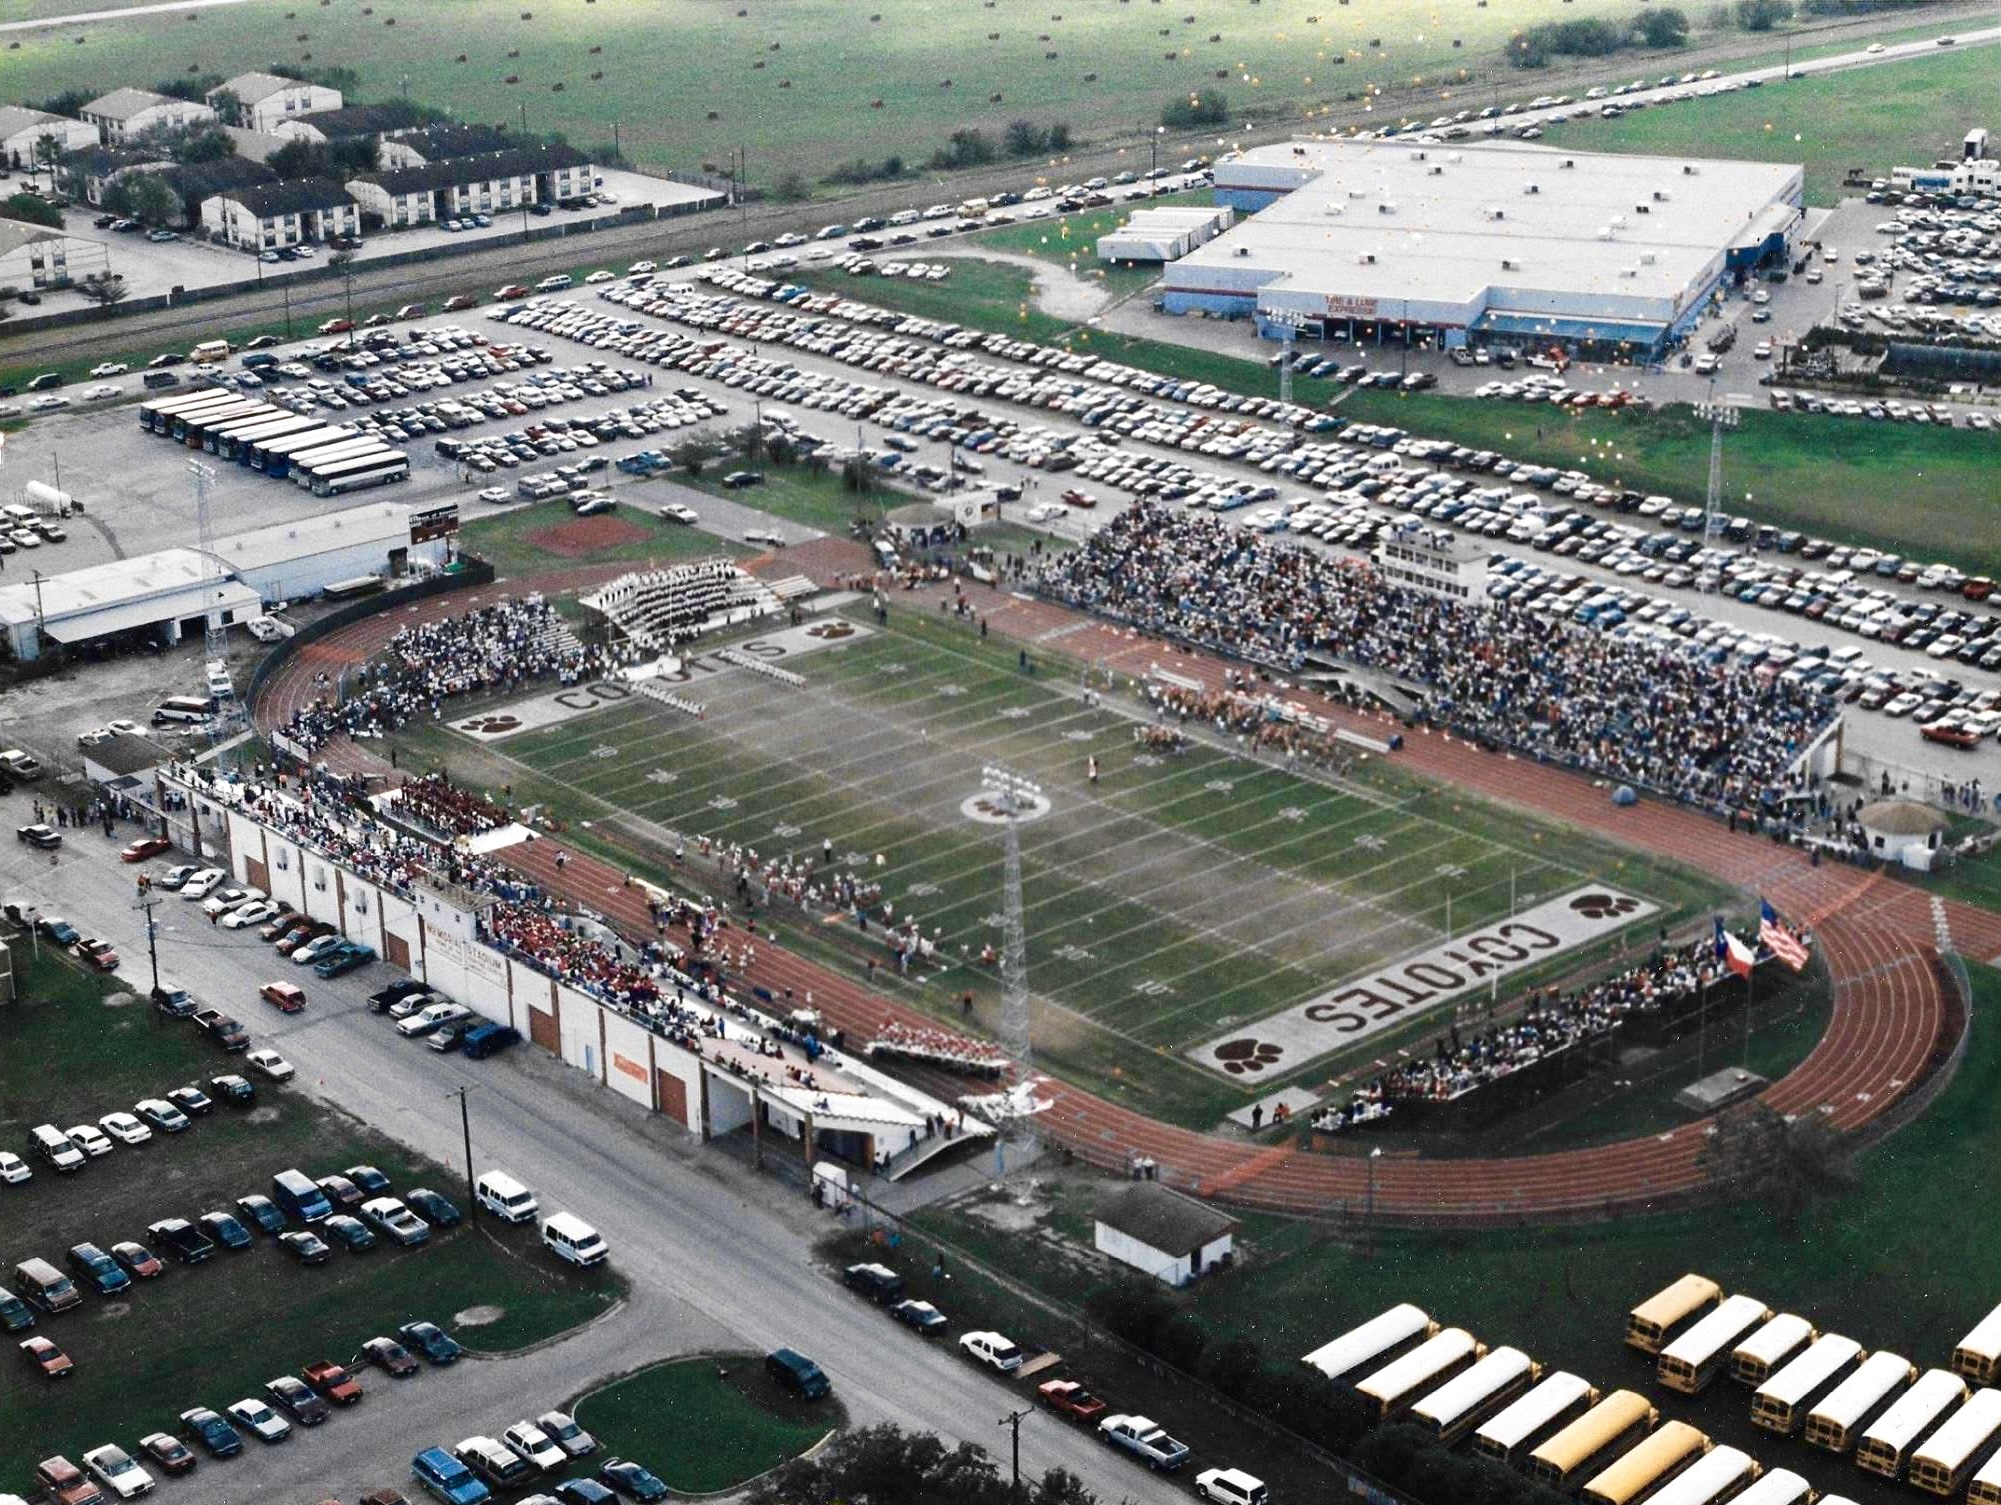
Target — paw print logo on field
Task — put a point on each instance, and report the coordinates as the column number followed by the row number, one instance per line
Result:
column 831, row 631
column 1079, row 734
column 951, row 692
column 605, row 753
column 662, row 776
column 1145, row 760
column 1598, row 906
column 1220, row 786
column 1247, row 1056
column 722, row 802
column 491, row 726
column 1292, row 813
column 786, row 832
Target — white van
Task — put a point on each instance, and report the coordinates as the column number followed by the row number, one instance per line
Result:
column 506, row 1198
column 573, row 1239
column 57, row 1147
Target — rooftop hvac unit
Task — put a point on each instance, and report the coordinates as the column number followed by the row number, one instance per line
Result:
column 1569, row 161
column 1242, row 251
column 1629, row 271
column 1386, row 207
column 1419, row 156
column 1660, row 195
column 1619, row 220
column 1455, row 156
column 1643, row 208
column 1648, row 258
column 1435, row 171
column 1367, row 258
column 1357, row 193
column 1510, row 266
column 1604, row 232
column 1335, row 209
column 1689, row 169
column 1532, row 188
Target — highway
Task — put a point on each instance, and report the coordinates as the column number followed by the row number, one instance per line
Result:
column 717, row 1257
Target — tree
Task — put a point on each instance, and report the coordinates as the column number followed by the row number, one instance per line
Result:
column 1763, row 15
column 791, row 187
column 965, row 147
column 189, row 145
column 884, row 1465
column 1024, row 138
column 1210, row 107
column 229, row 107
column 1782, row 1163
column 148, row 199
column 69, row 102
column 102, row 288
column 33, row 208
column 1663, row 26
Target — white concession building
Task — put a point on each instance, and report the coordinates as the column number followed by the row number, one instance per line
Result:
column 1504, row 242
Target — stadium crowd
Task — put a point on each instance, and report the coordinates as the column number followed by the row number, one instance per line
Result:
column 1637, row 712
column 444, row 806
column 499, row 648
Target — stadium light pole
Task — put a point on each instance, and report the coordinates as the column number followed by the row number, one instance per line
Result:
column 1013, row 794
column 1153, row 178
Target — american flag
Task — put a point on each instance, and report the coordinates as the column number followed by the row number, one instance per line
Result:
column 1778, row 940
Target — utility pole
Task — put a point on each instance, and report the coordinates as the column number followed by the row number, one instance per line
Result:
column 1013, row 1421
column 149, row 903
column 465, row 1125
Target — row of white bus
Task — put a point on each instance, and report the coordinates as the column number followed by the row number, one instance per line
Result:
column 1608, row 1449
column 1935, row 1429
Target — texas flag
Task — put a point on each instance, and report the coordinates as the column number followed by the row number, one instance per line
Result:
column 1732, row 952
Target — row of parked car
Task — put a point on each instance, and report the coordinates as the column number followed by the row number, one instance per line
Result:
column 1141, row 1437
column 299, row 937
column 525, row 1453
column 72, row 1149
column 288, row 1401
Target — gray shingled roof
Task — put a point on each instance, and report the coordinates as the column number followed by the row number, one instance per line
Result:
column 1164, row 1219
column 517, row 162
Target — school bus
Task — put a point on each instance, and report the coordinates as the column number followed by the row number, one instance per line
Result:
column 1718, row 1475
column 1691, row 1361
column 1779, row 1487
column 1646, row 1465
column 1371, row 1342
column 1978, row 1355
column 1392, row 1389
column 1553, row 1403
column 1607, row 1429
column 1837, row 1422
column 1985, row 1486
column 1759, row 1356
column 1779, row 1405
column 1887, row 1444
column 1456, row 1407
column 1649, row 1323
column 1943, row 1460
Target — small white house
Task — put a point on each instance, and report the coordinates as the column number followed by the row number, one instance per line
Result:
column 1903, row 831
column 1162, row 1233
column 266, row 100
column 124, row 114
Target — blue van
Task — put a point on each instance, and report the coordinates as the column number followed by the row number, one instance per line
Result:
column 444, row 1476
column 295, row 1191
column 488, row 1039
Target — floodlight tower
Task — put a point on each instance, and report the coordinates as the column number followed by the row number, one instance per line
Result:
column 1013, row 794
column 213, row 646
column 1287, row 322
column 1721, row 416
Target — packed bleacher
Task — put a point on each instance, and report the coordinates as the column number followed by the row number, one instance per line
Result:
column 930, row 1046
column 1261, row 722
column 497, row 648
column 443, row 806
column 1554, row 1021
column 1641, row 713
column 656, row 609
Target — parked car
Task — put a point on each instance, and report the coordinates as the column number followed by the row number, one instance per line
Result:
column 439, row 1211
column 100, row 1269
column 349, row 1232
column 334, row 1382
column 306, row 1405
column 632, row 1480
column 432, row 1341
column 233, row 1090
column 65, row 1484
column 307, row 1247
column 447, row 1478
column 1230, row 1486
column 396, row 1222
column 879, row 1283
column 367, row 1179
column 212, row 1431
column 1070, row 1399
column 925, row 1318
column 142, row 1262
column 192, row 1101
column 584, row 1492
column 161, row 1114
column 797, row 1373
column 992, row 1350
column 225, row 1230
column 92, row 1140
column 272, row 1065
column 1144, row 1440
column 124, row 1128
column 144, row 847
column 561, row 1428
column 95, row 953
column 118, row 1471
column 391, row 1357
column 169, row 1454
column 534, row 1444
column 53, row 1363
column 258, row 1419
column 286, row 997
column 260, row 1213
column 181, row 1239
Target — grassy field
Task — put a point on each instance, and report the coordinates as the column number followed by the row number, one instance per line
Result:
column 705, row 1424
column 1174, row 898
column 818, row 498
column 815, row 82
column 1910, row 112
column 213, row 1334
column 1885, row 1263
column 512, row 542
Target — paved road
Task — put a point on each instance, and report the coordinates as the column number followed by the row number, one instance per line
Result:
column 716, row 1256
column 50, row 23
column 312, row 302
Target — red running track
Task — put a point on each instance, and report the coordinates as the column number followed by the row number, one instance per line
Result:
column 1875, row 933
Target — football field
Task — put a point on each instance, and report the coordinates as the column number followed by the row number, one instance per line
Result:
column 1176, row 897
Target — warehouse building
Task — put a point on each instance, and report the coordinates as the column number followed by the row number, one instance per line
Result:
column 1505, row 243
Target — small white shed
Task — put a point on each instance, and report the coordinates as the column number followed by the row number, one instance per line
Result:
column 1903, row 831
column 1164, row 1234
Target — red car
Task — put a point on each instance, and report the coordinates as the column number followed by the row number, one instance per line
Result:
column 1071, row 1399
column 170, row 1453
column 391, row 1357
column 288, row 997
column 1076, row 498
column 137, row 1258
column 512, row 291
column 98, row 953
column 64, row 1483
column 334, row 1382
column 459, row 302
column 48, row 1358
column 144, row 847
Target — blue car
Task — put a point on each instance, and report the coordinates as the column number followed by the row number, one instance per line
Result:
column 343, row 959
column 212, row 1432
column 100, row 1269
column 444, row 1476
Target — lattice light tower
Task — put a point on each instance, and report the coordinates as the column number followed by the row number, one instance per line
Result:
column 1721, row 416
column 1013, row 794
column 1288, row 323
column 213, row 644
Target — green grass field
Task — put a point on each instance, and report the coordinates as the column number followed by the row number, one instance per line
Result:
column 1893, row 1263
column 705, row 1424
column 801, row 81
column 215, row 1333
column 1907, row 113
column 1176, row 897
column 513, row 542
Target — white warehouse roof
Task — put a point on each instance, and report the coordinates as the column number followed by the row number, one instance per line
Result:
column 1446, row 223
column 383, row 523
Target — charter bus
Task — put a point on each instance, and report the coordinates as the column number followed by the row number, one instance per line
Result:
column 1718, row 1475
column 1978, row 1354
column 263, row 412
column 1372, row 1341
column 1943, row 1460
column 1779, row 1405
column 1886, row 1445
column 1457, row 1406
column 1837, row 1422
column 231, row 443
column 1553, row 1403
column 1394, row 1387
column 1691, row 1361
column 153, row 415
column 275, row 455
column 1760, row 1356
column 1649, row 1323
column 191, row 426
column 1985, row 1486
column 1606, row 1430
column 360, row 475
column 1646, row 1465
column 345, row 463
column 1779, row 1487
column 210, row 401
column 305, row 467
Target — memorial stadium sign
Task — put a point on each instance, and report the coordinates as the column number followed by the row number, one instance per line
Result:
column 1469, row 963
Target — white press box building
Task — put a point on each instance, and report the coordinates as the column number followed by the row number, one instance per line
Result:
column 1504, row 242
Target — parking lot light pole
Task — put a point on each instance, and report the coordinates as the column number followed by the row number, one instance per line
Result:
column 465, row 1126
column 1153, row 179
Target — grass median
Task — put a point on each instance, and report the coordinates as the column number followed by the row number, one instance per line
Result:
column 214, row 1333
column 705, row 1424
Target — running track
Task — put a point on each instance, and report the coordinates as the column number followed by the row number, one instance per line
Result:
column 1876, row 934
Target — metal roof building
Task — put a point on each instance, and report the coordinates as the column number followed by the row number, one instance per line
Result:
column 1503, row 240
